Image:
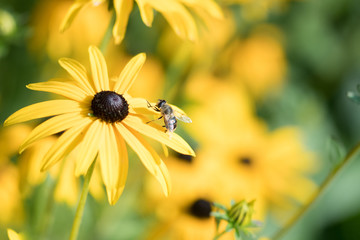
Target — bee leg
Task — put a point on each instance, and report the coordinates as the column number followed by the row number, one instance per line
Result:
column 151, row 106
column 154, row 120
column 148, row 104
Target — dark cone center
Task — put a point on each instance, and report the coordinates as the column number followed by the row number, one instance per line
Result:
column 109, row 106
column 246, row 161
column 201, row 208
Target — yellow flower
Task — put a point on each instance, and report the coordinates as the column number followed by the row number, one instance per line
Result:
column 97, row 118
column 242, row 154
column 14, row 235
column 11, row 139
column 88, row 29
column 259, row 61
column 186, row 213
column 11, row 206
column 220, row 104
column 176, row 12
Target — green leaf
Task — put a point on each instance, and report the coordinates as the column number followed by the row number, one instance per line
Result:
column 220, row 206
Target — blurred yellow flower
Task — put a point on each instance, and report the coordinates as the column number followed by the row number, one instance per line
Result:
column 222, row 104
column 211, row 43
column 259, row 61
column 88, row 29
column 176, row 12
column 14, row 235
column 11, row 205
column 266, row 167
column 240, row 152
column 67, row 186
column 186, row 213
column 97, row 118
column 11, row 139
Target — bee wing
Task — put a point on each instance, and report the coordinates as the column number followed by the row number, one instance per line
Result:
column 182, row 117
column 180, row 114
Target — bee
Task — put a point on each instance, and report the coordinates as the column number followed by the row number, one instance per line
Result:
column 169, row 114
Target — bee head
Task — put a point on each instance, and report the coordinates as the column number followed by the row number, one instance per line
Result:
column 160, row 103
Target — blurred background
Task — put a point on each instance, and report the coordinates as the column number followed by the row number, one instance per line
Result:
column 266, row 88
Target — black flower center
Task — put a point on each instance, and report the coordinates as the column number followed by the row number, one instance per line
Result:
column 246, row 161
column 109, row 106
column 201, row 208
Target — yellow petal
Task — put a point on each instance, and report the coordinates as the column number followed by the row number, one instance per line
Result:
column 147, row 155
column 165, row 149
column 78, row 72
column 129, row 73
column 157, row 133
column 89, row 147
column 114, row 194
column 65, row 143
column 109, row 155
column 114, row 164
column 123, row 9
column 183, row 24
column 71, row 14
column 43, row 109
column 140, row 105
column 178, row 17
column 208, row 7
column 98, row 69
column 146, row 12
column 50, row 127
column 66, row 89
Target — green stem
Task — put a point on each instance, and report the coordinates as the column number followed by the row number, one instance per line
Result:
column 324, row 186
column 80, row 208
column 219, row 235
column 108, row 34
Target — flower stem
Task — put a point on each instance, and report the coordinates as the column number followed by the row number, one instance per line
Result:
column 108, row 34
column 80, row 208
column 324, row 186
column 219, row 235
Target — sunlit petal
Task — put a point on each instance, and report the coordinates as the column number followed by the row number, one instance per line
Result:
column 52, row 126
column 98, row 69
column 140, row 105
column 44, row 109
column 66, row 89
column 115, row 165
column 110, row 158
column 89, row 147
column 129, row 73
column 71, row 14
column 147, row 13
column 147, row 155
column 156, row 132
column 65, row 143
column 123, row 9
column 78, row 72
